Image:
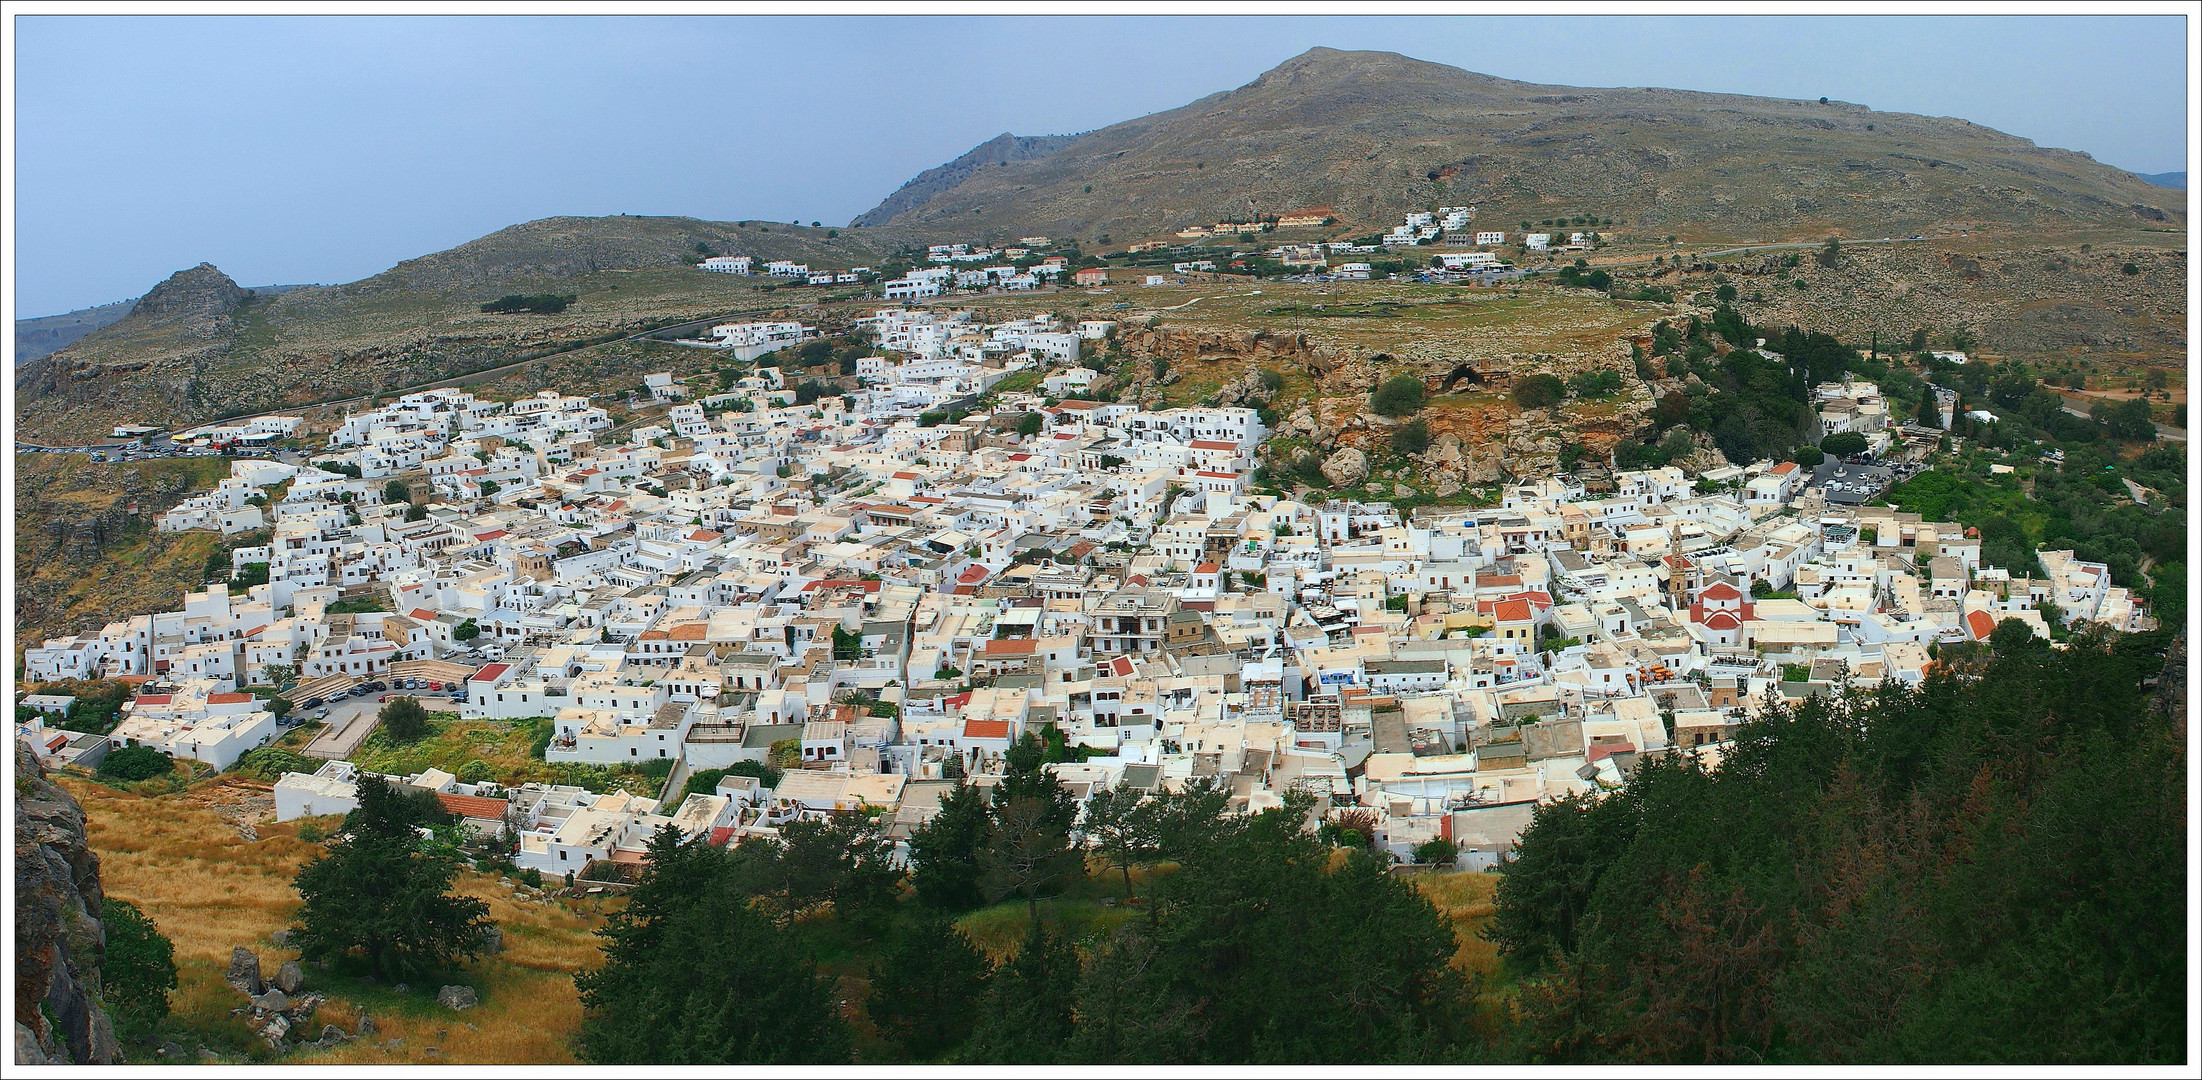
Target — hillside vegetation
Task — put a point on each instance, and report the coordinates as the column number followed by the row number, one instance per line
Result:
column 85, row 550
column 180, row 859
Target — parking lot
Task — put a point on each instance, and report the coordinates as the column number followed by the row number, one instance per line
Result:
column 353, row 719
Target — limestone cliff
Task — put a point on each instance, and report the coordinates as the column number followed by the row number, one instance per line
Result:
column 59, row 942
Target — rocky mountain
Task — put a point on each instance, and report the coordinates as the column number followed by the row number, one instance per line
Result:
column 1375, row 134
column 59, row 942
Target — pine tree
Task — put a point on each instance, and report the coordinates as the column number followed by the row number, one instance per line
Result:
column 923, row 987
column 944, row 852
column 384, row 894
column 1026, row 1017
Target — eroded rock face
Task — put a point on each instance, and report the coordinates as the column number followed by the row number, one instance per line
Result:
column 457, row 997
column 59, row 941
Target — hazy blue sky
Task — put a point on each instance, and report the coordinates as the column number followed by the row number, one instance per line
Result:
column 326, row 149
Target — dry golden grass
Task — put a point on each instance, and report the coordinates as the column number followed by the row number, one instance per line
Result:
column 1466, row 899
column 209, row 889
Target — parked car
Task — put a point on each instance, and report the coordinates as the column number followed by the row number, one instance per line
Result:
column 435, row 686
column 383, row 698
column 310, row 703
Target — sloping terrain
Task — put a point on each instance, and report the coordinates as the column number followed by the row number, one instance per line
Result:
column 199, row 348
column 1376, row 134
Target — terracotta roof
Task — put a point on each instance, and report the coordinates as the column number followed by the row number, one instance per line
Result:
column 1723, row 620
column 490, row 673
column 154, row 699
column 688, row 632
column 1979, row 623
column 423, row 614
column 1498, row 580
column 1213, row 444
column 1512, row 611
column 1207, row 568
column 1011, row 647
column 972, row 573
column 227, row 699
column 472, row 806
column 986, row 729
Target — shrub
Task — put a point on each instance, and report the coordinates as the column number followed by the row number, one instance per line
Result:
column 1400, row 395
column 536, row 304
column 1412, row 437
column 1539, row 391
column 1438, row 851
column 133, row 763
column 1596, row 384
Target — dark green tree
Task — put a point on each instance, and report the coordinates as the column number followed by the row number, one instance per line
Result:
column 695, row 975
column 403, row 719
column 1118, row 825
column 923, row 987
column 1030, row 423
column 382, row 894
column 1026, row 1017
column 944, row 852
column 139, row 969
column 1224, row 971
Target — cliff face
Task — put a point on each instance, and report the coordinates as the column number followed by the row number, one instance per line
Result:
column 59, row 942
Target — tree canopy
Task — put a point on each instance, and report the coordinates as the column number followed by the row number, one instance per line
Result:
column 382, row 892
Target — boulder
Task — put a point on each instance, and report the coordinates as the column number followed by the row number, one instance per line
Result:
column 1347, row 467
column 366, row 1026
column 281, row 939
column 457, row 997
column 289, row 979
column 273, row 1001
column 492, row 941
column 332, row 1034
column 244, row 972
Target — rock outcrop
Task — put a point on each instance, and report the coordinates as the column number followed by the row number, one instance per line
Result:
column 1347, row 467
column 59, row 940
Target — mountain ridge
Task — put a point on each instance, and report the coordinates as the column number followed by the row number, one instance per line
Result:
column 1377, row 134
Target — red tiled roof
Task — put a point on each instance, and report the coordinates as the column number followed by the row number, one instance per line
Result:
column 972, row 573
column 490, row 673
column 1213, row 444
column 1011, row 647
column 1207, row 568
column 1490, row 581
column 473, row 806
column 490, row 535
column 1512, row 611
column 986, row 729
column 1785, row 468
column 1978, row 623
column 720, row 835
column 422, row 614
column 154, row 699
column 227, row 699
column 1722, row 620
column 687, row 632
